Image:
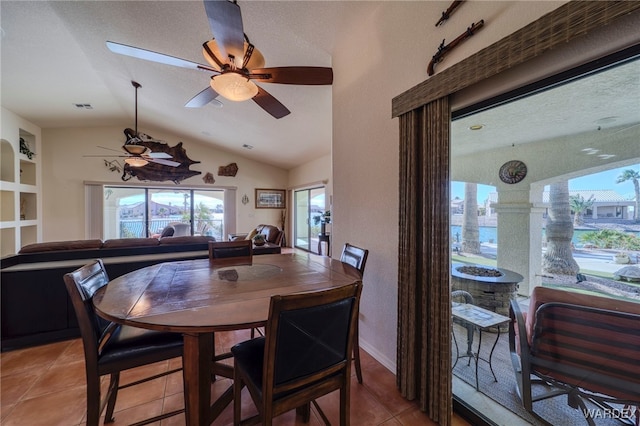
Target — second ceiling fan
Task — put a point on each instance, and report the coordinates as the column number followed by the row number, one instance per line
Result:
column 235, row 63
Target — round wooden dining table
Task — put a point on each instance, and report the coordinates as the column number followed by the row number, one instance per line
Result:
column 196, row 298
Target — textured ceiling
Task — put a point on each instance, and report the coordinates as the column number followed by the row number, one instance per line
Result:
column 54, row 56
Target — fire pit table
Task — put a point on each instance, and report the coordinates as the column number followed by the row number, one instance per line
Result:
column 492, row 288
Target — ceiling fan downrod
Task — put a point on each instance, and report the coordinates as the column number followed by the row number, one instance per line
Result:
column 137, row 86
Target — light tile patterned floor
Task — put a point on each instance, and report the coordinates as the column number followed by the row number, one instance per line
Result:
column 45, row 385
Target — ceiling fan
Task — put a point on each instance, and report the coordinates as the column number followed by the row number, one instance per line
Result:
column 138, row 155
column 234, row 62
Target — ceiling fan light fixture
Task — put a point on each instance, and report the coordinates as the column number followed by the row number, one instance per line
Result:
column 234, row 86
column 136, row 161
column 135, row 149
column 211, row 48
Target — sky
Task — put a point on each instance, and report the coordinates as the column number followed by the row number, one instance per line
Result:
column 602, row 180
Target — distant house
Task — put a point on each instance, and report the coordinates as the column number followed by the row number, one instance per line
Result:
column 457, row 206
column 608, row 204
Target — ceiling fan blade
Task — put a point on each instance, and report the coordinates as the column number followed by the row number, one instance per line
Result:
column 225, row 21
column 110, row 149
column 163, row 162
column 156, row 155
column 203, row 98
column 270, row 104
column 148, row 55
column 293, row 75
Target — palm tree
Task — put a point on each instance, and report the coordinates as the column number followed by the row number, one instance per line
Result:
column 470, row 231
column 633, row 176
column 579, row 205
column 558, row 259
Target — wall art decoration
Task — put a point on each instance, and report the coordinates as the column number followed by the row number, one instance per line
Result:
column 208, row 178
column 512, row 171
column 228, row 170
column 270, row 198
column 245, row 199
column 155, row 171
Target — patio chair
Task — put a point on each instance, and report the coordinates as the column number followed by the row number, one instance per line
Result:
column 304, row 355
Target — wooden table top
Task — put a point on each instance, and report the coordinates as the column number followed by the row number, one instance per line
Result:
column 195, row 297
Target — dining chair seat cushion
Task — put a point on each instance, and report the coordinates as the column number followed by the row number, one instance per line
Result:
column 250, row 356
column 132, row 346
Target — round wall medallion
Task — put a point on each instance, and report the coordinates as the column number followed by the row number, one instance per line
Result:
column 512, row 171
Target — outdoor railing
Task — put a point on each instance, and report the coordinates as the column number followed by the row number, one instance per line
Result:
column 136, row 228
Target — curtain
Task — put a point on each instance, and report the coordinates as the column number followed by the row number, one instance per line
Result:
column 424, row 323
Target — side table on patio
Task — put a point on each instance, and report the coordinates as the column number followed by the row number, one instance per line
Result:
column 481, row 319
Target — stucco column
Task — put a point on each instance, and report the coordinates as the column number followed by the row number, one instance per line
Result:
column 520, row 235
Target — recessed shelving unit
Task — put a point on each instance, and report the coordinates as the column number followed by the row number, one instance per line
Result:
column 20, row 210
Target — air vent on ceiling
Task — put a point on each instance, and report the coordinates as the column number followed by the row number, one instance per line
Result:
column 83, row 106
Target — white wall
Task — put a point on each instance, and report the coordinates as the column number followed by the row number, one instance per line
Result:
column 383, row 56
column 66, row 170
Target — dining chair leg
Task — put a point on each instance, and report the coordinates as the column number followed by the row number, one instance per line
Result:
column 356, row 354
column 112, row 394
column 93, row 400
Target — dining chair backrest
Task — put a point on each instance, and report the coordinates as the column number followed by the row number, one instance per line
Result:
column 306, row 352
column 81, row 285
column 354, row 256
column 237, row 252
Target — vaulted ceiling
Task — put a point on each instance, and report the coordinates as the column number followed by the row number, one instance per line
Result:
column 54, row 56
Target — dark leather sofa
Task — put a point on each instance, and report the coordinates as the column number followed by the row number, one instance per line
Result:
column 35, row 307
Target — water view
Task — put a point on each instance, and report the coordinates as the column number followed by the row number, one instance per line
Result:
column 489, row 234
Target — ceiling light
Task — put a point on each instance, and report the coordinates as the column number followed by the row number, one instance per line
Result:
column 476, row 127
column 136, row 161
column 234, row 86
column 135, row 149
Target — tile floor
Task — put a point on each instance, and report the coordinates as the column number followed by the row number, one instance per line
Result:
column 45, row 385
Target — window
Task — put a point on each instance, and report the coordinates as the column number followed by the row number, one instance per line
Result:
column 138, row 212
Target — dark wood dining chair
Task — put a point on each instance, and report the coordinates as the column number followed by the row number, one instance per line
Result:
column 229, row 253
column 356, row 257
column 110, row 348
column 239, row 252
column 305, row 354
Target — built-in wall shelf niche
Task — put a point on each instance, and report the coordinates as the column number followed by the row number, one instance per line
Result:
column 27, row 172
column 8, row 209
column 7, row 157
column 28, row 206
column 8, row 236
column 28, row 235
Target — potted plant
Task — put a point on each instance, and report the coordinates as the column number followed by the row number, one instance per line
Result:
column 621, row 258
column 323, row 219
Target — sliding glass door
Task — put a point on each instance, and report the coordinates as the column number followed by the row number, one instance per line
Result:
column 308, row 204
